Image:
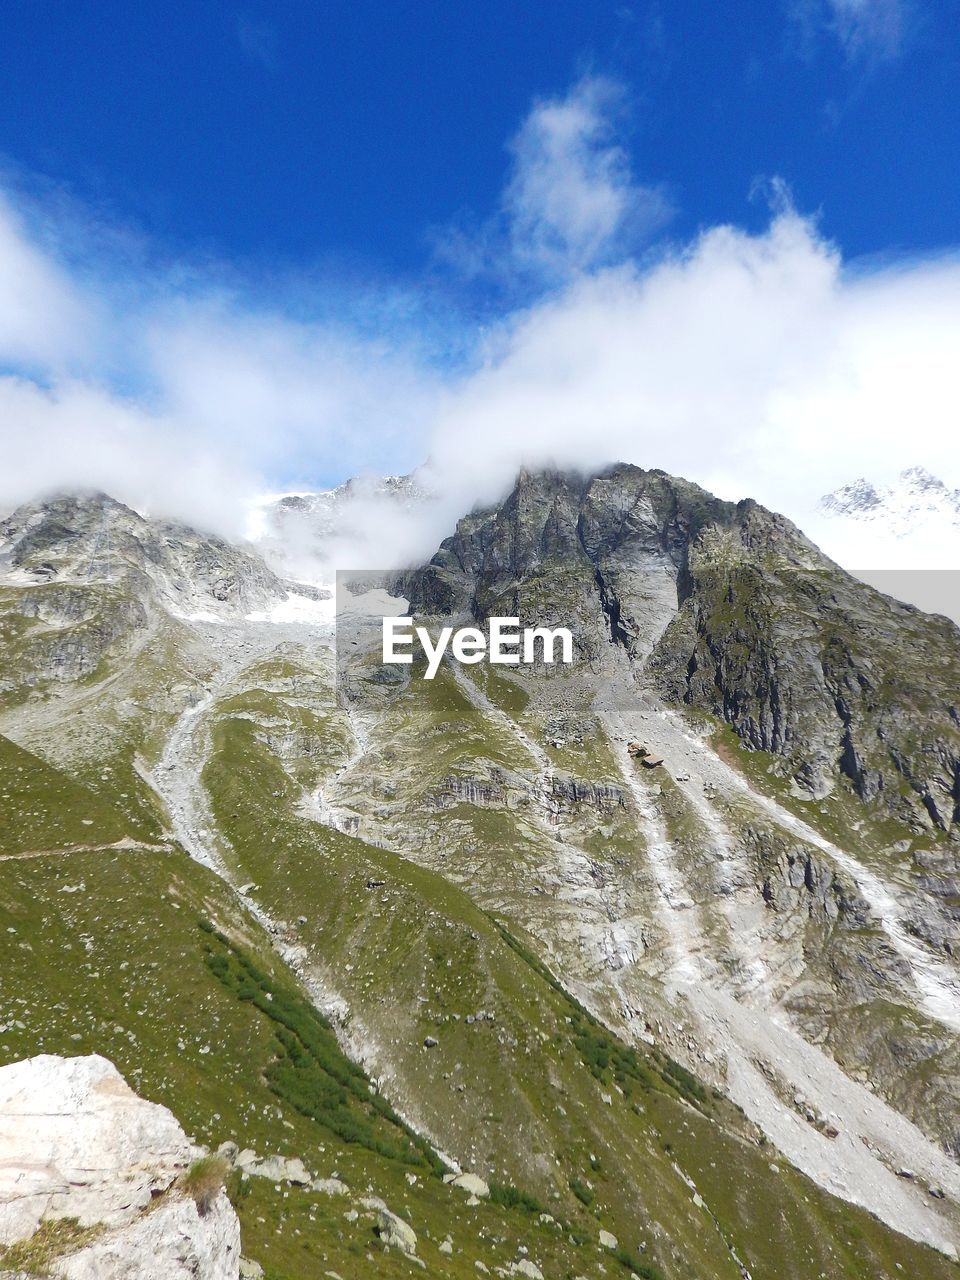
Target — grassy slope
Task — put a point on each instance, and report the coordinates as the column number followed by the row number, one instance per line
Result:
column 110, row 957
column 42, row 808
column 411, row 954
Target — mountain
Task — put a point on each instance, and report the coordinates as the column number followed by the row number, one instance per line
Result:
column 740, row 616
column 917, row 496
column 903, row 539
column 388, row 929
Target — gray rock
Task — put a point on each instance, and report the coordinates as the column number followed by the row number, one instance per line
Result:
column 94, row 1151
column 526, row 1268
column 330, row 1187
column 472, row 1184
column 281, row 1169
column 395, row 1233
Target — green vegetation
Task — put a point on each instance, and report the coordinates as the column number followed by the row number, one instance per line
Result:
column 310, row 1070
column 606, row 1057
column 54, row 1238
column 42, row 808
column 632, row 1263
column 586, row 1195
column 509, row 1197
column 204, row 1181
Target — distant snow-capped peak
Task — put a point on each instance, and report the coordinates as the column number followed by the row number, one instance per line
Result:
column 917, row 497
column 902, row 538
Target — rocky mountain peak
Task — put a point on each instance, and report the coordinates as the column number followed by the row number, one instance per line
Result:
column 916, row 496
column 87, row 539
column 728, row 607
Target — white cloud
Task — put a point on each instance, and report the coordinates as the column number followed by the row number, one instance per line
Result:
column 869, row 27
column 43, row 318
column 867, row 30
column 571, row 202
column 79, row 436
column 757, row 364
column 178, row 396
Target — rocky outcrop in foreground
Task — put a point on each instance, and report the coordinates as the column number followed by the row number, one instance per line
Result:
column 79, row 1149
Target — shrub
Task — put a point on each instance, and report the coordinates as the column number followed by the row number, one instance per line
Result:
column 204, row 1181
column 583, row 1193
column 309, row 1070
column 509, row 1197
column 642, row 1269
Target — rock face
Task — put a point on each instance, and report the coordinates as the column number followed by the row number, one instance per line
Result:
column 600, row 554
column 171, row 1243
column 77, row 1142
column 92, row 578
column 731, row 609
column 814, row 666
column 95, row 539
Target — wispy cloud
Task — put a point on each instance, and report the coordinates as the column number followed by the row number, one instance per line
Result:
column 571, row 202
column 44, row 320
column 758, row 364
column 868, row 31
column 869, row 28
column 145, row 380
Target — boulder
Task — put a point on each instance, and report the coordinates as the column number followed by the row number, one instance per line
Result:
column 281, row 1169
column 608, row 1240
column 395, row 1233
column 471, row 1183
column 526, row 1268
column 172, row 1242
column 79, row 1143
column 330, row 1187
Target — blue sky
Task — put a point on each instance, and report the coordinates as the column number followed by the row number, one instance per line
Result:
column 348, row 129
column 269, row 246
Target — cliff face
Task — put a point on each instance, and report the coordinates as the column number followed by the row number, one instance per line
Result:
column 732, row 610
column 82, row 1151
column 602, row 555
column 810, row 664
